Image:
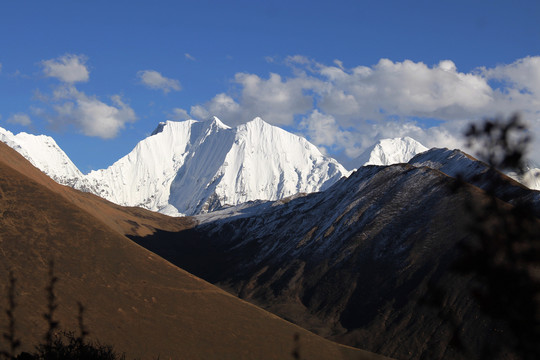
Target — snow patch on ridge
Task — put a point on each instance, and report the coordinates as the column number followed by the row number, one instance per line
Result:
column 531, row 178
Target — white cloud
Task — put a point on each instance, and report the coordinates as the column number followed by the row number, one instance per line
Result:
column 339, row 63
column 323, row 130
column 179, row 114
column 67, row 106
column 390, row 99
column 154, row 80
column 223, row 106
column 20, row 119
column 274, row 99
column 386, row 90
column 68, row 68
column 190, row 57
column 298, row 60
column 200, row 112
column 523, row 74
column 90, row 115
column 404, row 89
column 352, row 108
column 517, row 88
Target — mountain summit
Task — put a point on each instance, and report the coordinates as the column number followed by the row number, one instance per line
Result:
column 43, row 152
column 193, row 167
column 388, row 152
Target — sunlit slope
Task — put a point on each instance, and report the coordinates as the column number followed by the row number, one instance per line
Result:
column 134, row 299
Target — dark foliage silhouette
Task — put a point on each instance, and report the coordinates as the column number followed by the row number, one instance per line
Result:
column 68, row 346
column 502, row 253
column 10, row 335
column 57, row 345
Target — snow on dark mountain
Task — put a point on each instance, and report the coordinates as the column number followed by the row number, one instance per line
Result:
column 531, row 178
column 354, row 263
column 457, row 164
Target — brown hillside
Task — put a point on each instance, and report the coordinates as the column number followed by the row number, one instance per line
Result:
column 134, row 299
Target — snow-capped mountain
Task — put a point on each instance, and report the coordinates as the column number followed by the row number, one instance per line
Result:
column 388, row 152
column 192, row 167
column 456, row 162
column 43, row 152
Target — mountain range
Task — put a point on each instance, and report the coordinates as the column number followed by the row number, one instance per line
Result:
column 194, row 167
column 358, row 262
column 134, row 300
column 356, row 258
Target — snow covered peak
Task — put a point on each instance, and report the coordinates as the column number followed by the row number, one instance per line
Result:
column 257, row 121
column 389, row 152
column 394, row 151
column 257, row 124
column 43, row 152
column 191, row 167
column 218, row 123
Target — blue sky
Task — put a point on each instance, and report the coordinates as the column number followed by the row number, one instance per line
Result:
column 99, row 75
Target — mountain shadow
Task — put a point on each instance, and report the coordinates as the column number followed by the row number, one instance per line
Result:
column 134, row 299
column 355, row 263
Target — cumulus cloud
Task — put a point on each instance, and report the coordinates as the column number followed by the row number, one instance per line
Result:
column 90, row 115
column 404, row 89
column 523, row 74
column 20, row 119
column 223, row 106
column 351, row 108
column 154, row 80
column 68, row 68
column 179, row 114
column 275, row 99
column 323, row 131
column 517, row 86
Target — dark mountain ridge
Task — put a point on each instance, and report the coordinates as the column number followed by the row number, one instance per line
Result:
column 356, row 262
column 134, row 300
